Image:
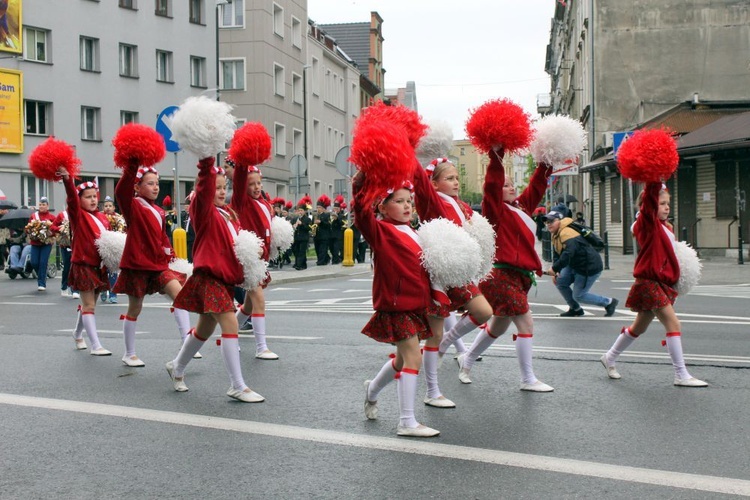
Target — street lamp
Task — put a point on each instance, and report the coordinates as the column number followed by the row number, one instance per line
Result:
column 304, row 107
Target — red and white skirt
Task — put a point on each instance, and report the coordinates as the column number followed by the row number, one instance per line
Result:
column 507, row 290
column 394, row 326
column 141, row 283
column 204, row 293
column 458, row 296
column 650, row 295
column 86, row 278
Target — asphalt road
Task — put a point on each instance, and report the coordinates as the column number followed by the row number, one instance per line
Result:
column 78, row 426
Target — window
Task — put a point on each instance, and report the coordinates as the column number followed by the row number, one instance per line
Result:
column 315, row 76
column 33, row 189
column 280, row 139
column 232, row 74
column 297, row 88
column 196, row 11
column 298, row 142
column 233, row 15
column 128, row 60
column 296, row 32
column 278, row 20
column 163, row 8
column 278, row 79
column 128, row 117
column 316, row 138
column 164, row 72
column 128, row 4
column 35, row 44
column 89, row 49
column 198, row 71
column 91, row 129
column 37, row 117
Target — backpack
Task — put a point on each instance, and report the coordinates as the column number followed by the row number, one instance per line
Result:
column 589, row 235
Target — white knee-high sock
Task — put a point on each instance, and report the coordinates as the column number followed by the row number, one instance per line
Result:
column 182, row 318
column 622, row 342
column 483, row 341
column 524, row 351
column 430, row 365
column 385, row 376
column 89, row 323
column 407, row 393
column 449, row 322
column 78, row 329
column 674, row 347
column 231, row 353
column 241, row 316
column 190, row 346
column 464, row 325
column 259, row 330
column 128, row 334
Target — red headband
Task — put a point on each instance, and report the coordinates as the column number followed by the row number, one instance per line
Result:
column 404, row 185
column 86, row 185
column 434, row 163
column 145, row 170
column 252, row 169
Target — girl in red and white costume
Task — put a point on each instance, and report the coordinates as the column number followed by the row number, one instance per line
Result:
column 87, row 273
column 210, row 290
column 144, row 268
column 401, row 296
column 516, row 263
column 652, row 295
column 437, row 196
column 255, row 213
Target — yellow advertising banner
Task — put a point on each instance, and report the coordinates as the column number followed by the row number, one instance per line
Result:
column 10, row 26
column 11, row 111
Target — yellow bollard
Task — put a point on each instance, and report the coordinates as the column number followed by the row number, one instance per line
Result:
column 348, row 247
column 179, row 242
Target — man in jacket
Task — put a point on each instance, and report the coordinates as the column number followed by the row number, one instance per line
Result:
column 584, row 261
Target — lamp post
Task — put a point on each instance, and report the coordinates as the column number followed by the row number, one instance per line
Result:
column 304, row 107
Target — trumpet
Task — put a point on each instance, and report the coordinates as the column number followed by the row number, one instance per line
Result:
column 314, row 229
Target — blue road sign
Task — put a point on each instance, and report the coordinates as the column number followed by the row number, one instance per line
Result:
column 617, row 139
column 163, row 127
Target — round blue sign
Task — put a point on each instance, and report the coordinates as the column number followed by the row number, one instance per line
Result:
column 163, row 127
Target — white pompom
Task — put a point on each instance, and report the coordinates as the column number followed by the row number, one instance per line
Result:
column 436, row 143
column 110, row 246
column 282, row 236
column 182, row 266
column 450, row 255
column 482, row 232
column 690, row 267
column 248, row 249
column 203, row 126
column 557, row 139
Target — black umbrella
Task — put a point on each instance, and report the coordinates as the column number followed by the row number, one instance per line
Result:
column 16, row 219
column 7, row 205
column 568, row 198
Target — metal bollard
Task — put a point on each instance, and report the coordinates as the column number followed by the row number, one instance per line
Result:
column 606, row 249
column 348, row 248
column 179, row 242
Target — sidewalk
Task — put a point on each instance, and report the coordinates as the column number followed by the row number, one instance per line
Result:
column 288, row 274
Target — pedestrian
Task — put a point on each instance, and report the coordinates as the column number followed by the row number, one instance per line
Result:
column 18, row 253
column 437, row 196
column 579, row 218
column 302, row 226
column 582, row 261
column 41, row 239
column 87, row 273
column 338, row 225
column 656, row 271
column 322, row 230
column 61, row 227
column 209, row 290
column 144, row 267
column 117, row 223
column 255, row 214
column 4, row 235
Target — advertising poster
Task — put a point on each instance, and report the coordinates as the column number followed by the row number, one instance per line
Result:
column 10, row 26
column 11, row 111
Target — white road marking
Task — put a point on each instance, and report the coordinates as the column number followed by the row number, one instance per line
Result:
column 27, row 303
column 281, row 289
column 713, row 358
column 70, row 330
column 323, row 290
column 361, row 279
column 713, row 484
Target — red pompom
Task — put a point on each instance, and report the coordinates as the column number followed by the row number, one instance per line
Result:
column 648, row 156
column 166, row 202
column 138, row 145
column 251, row 145
column 49, row 156
column 278, row 201
column 383, row 153
column 400, row 115
column 288, row 205
column 499, row 122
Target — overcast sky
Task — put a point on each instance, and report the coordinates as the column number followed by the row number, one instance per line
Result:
column 459, row 54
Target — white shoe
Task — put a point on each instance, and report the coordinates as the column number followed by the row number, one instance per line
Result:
column 421, row 431
column 65, row 293
column 198, row 355
column 133, row 361
column 371, row 407
column 41, row 288
column 246, row 396
column 80, row 344
column 689, row 382
column 463, row 373
column 100, row 352
column 178, row 382
column 537, row 386
column 611, row 370
column 75, row 295
column 267, row 354
column 439, row 402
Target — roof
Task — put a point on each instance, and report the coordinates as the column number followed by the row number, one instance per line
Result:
column 727, row 132
column 354, row 39
column 688, row 116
